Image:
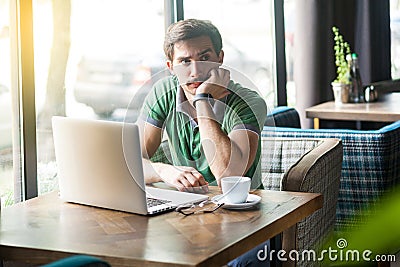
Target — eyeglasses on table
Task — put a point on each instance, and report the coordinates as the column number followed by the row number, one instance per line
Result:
column 207, row 206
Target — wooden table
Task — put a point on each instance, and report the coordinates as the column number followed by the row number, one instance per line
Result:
column 45, row 229
column 387, row 109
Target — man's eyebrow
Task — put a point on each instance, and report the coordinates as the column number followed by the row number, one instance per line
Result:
column 182, row 58
column 205, row 51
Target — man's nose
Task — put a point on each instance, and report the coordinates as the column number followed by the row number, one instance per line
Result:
column 196, row 69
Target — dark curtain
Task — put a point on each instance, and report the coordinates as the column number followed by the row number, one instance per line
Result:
column 365, row 24
column 372, row 40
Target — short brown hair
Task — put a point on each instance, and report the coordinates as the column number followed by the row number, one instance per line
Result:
column 188, row 29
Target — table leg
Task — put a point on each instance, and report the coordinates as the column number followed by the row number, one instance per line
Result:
column 316, row 123
column 358, row 125
column 276, row 245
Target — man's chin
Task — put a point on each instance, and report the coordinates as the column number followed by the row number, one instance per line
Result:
column 189, row 89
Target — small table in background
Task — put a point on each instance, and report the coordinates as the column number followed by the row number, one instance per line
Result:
column 387, row 109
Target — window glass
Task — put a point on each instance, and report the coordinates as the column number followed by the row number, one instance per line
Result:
column 289, row 20
column 6, row 150
column 246, row 27
column 92, row 59
column 395, row 37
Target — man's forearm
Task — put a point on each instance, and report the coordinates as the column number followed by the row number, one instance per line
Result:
column 181, row 177
column 151, row 171
column 223, row 156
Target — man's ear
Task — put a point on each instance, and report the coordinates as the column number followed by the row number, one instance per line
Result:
column 221, row 56
column 170, row 66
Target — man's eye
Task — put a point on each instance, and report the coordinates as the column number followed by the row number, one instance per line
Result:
column 205, row 58
column 185, row 62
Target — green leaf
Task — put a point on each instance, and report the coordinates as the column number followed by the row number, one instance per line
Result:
column 380, row 234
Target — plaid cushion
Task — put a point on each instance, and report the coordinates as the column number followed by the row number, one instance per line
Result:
column 278, row 156
column 371, row 166
column 305, row 165
column 324, row 178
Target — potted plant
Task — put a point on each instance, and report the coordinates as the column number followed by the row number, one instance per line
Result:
column 341, row 85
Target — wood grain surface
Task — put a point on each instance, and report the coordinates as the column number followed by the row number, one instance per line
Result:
column 45, row 229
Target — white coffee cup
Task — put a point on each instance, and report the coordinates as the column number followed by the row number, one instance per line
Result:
column 235, row 189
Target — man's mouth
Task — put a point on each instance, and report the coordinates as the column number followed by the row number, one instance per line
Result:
column 194, row 84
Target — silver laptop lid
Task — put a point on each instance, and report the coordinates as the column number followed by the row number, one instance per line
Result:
column 100, row 164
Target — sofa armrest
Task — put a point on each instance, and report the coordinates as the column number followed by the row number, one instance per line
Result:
column 325, row 158
column 319, row 171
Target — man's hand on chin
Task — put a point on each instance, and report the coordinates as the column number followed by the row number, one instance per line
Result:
column 216, row 84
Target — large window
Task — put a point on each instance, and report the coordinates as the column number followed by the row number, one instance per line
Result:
column 97, row 59
column 6, row 155
column 395, row 37
column 289, row 16
column 247, row 29
column 91, row 62
column 92, row 59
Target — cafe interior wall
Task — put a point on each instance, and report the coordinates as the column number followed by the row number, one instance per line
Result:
column 362, row 23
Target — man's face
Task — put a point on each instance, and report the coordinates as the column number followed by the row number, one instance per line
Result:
column 192, row 62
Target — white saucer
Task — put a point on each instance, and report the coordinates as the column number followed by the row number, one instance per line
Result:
column 251, row 201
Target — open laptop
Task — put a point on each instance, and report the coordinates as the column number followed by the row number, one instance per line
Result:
column 100, row 164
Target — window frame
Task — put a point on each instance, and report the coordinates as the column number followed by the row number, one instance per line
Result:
column 280, row 54
column 25, row 88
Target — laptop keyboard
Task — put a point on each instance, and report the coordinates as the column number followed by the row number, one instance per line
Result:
column 151, row 202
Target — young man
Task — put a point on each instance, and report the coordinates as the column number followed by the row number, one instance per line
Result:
column 213, row 125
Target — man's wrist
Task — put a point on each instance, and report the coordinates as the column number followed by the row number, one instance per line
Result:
column 202, row 96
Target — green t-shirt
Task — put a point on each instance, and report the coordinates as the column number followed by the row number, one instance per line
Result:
column 166, row 107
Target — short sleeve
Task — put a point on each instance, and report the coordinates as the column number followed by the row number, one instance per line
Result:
column 245, row 110
column 159, row 101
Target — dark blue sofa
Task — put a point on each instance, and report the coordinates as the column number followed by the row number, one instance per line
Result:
column 371, row 163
